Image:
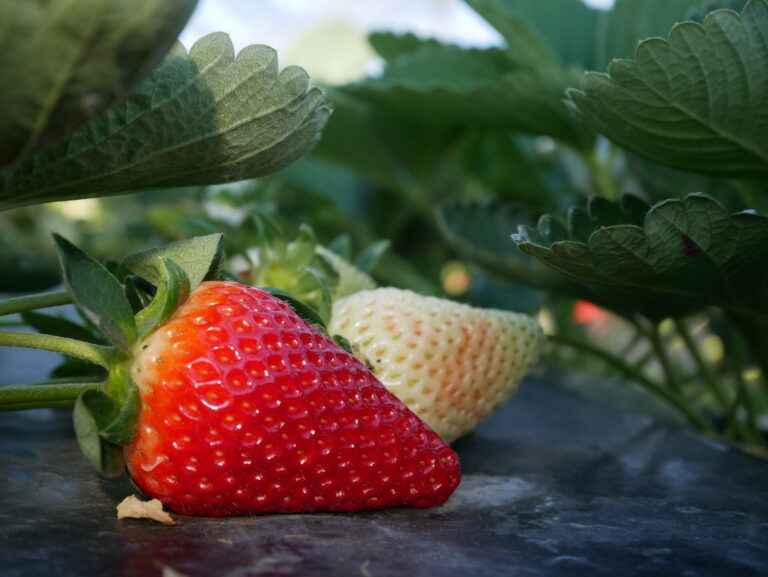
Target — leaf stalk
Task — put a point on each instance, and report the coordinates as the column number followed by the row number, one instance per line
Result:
column 671, row 396
column 98, row 354
column 34, row 302
column 49, row 394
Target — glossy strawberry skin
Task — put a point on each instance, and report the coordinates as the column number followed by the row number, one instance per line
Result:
column 248, row 409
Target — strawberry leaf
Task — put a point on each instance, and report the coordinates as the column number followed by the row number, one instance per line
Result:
column 684, row 253
column 105, row 418
column 98, row 295
column 205, row 117
column 633, row 20
column 91, row 410
column 172, row 290
column 455, row 87
column 344, row 343
column 479, row 232
column 370, row 255
column 59, row 326
column 518, row 22
column 120, row 426
column 199, row 258
column 301, row 250
column 389, row 45
column 69, row 60
column 696, row 101
column 139, row 292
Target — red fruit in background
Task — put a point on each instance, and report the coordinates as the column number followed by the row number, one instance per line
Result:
column 247, row 409
column 585, row 312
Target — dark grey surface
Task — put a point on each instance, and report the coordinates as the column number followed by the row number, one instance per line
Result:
column 553, row 486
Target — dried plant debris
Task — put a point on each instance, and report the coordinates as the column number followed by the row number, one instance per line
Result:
column 134, row 508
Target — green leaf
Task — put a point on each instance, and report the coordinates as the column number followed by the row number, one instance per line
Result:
column 66, row 61
column 480, row 231
column 97, row 294
column 580, row 35
column 632, row 20
column 314, row 284
column 697, row 101
column 342, row 246
column 137, row 292
column 389, row 45
column 450, row 86
column 119, row 426
column 199, row 258
column 343, row 343
column 535, row 37
column 482, row 227
column 58, row 326
column 384, row 146
column 172, row 290
column 91, row 409
column 106, row 418
column 500, row 162
column 301, row 250
column 202, row 118
column 370, row 255
column 686, row 253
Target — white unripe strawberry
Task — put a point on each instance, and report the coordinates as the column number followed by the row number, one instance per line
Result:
column 451, row 363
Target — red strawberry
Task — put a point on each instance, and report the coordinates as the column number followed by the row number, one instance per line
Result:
column 221, row 399
column 246, row 408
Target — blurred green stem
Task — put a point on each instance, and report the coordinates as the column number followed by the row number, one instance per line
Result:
column 733, row 422
column 659, row 348
column 670, row 395
column 34, row 301
column 744, row 395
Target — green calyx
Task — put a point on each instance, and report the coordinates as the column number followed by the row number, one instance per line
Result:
column 105, row 419
column 314, row 276
column 119, row 307
column 290, row 267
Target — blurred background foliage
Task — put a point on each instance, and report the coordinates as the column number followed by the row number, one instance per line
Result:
column 446, row 150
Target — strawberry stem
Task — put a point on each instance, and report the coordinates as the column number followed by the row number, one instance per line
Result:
column 668, row 394
column 34, row 301
column 713, row 384
column 99, row 354
column 44, row 395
